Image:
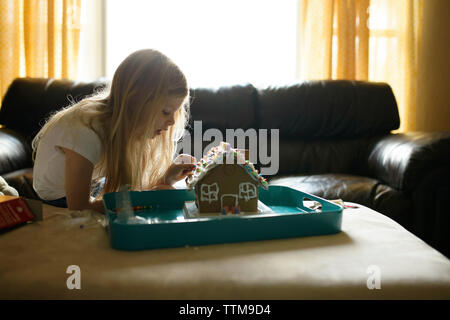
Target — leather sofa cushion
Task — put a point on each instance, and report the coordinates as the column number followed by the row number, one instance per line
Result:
column 403, row 160
column 224, row 108
column 30, row 101
column 329, row 109
column 362, row 190
column 332, row 186
column 15, row 151
column 322, row 156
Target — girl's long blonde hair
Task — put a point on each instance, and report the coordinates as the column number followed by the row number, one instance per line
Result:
column 124, row 116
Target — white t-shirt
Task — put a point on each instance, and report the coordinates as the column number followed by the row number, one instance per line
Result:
column 49, row 165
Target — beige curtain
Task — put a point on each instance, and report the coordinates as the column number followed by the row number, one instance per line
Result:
column 38, row 38
column 373, row 40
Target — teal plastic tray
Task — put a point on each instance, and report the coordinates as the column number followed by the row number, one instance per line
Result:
column 169, row 228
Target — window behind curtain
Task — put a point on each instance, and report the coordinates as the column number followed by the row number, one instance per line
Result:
column 214, row 42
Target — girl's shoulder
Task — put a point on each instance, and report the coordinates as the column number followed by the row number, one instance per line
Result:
column 76, row 124
column 69, row 121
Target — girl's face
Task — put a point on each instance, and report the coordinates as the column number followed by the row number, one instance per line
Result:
column 166, row 118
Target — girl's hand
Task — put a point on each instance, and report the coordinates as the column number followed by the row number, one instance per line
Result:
column 185, row 158
column 182, row 166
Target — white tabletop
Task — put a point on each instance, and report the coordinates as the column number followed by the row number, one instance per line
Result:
column 372, row 251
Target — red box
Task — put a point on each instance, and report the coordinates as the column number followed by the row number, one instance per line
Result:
column 13, row 211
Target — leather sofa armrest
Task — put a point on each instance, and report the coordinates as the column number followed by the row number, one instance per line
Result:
column 15, row 152
column 403, row 160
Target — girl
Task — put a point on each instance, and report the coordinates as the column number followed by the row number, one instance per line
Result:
column 126, row 134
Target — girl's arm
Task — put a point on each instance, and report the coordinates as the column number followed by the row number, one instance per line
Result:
column 176, row 172
column 78, row 183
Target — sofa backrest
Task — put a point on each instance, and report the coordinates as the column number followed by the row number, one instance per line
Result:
column 224, row 108
column 331, row 120
column 332, row 109
column 326, row 126
column 28, row 102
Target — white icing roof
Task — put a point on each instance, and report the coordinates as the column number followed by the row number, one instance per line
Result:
column 217, row 156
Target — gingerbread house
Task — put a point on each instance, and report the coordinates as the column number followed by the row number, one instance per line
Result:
column 226, row 182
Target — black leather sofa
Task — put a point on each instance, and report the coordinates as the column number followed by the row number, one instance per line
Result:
column 335, row 142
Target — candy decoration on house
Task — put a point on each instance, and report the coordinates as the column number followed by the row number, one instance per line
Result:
column 225, row 182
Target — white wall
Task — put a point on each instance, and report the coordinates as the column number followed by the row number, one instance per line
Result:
column 92, row 64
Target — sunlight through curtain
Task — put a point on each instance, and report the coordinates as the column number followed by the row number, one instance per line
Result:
column 38, row 38
column 372, row 40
